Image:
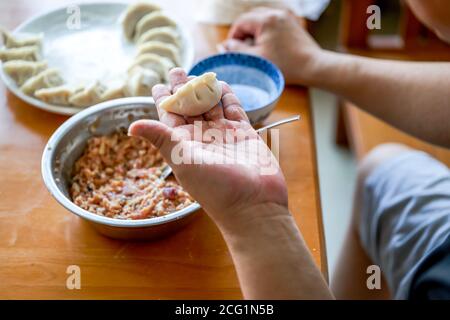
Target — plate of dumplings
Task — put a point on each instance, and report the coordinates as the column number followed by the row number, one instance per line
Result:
column 74, row 57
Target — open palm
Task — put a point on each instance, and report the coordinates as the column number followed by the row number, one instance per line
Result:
column 217, row 157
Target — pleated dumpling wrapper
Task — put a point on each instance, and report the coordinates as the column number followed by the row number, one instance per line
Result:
column 134, row 13
column 12, row 41
column 196, row 97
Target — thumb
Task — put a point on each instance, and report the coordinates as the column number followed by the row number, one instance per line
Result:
column 237, row 45
column 159, row 134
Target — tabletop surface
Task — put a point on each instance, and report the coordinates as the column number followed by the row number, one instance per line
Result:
column 39, row 239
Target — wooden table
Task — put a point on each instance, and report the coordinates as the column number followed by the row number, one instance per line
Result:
column 39, row 239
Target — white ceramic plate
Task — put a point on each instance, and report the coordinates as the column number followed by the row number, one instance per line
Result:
column 97, row 50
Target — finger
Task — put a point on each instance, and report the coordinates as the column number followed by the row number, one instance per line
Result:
column 215, row 113
column 221, row 48
column 237, row 46
column 232, row 108
column 158, row 133
column 177, row 78
column 247, row 25
column 191, row 120
column 161, row 92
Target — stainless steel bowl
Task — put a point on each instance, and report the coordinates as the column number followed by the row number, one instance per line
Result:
column 66, row 146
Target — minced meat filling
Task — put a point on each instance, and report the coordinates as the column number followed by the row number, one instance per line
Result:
column 119, row 177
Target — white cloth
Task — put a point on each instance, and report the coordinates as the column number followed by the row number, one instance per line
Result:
column 224, row 12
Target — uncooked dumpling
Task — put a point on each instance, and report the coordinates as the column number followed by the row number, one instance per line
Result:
column 157, row 63
column 195, row 97
column 141, row 82
column 12, row 41
column 114, row 90
column 45, row 79
column 90, row 95
column 163, row 34
column 133, row 14
column 56, row 95
column 162, row 49
column 152, row 20
column 28, row 53
column 20, row 71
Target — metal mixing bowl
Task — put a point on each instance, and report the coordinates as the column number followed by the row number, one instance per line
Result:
column 67, row 144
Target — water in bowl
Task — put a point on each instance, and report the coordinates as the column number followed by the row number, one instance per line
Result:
column 251, row 97
column 254, row 88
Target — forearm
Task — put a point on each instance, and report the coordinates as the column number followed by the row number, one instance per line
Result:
column 412, row 96
column 271, row 258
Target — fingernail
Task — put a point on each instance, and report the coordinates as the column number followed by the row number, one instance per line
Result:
column 133, row 131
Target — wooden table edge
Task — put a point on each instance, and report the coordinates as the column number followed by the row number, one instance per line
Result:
column 322, row 238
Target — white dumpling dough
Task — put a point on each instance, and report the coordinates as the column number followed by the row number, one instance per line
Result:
column 20, row 70
column 114, row 91
column 133, row 14
column 152, row 20
column 28, row 53
column 163, row 34
column 195, row 97
column 88, row 96
column 12, row 41
column 141, row 82
column 45, row 79
column 56, row 95
column 155, row 62
column 162, row 49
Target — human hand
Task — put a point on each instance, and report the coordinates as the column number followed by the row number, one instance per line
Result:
column 230, row 169
column 277, row 35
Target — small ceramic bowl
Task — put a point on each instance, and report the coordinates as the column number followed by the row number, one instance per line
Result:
column 257, row 82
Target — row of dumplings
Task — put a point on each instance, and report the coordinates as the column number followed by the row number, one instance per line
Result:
column 22, row 61
column 21, row 58
column 157, row 40
column 158, row 50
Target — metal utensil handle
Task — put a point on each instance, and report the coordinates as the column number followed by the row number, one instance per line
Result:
column 278, row 123
column 167, row 171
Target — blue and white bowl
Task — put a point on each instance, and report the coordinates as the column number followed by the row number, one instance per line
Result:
column 257, row 82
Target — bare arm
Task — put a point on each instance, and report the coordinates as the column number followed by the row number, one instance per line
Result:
column 412, row 96
column 249, row 207
column 271, row 258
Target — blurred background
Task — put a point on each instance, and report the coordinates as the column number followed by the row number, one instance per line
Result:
column 345, row 134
